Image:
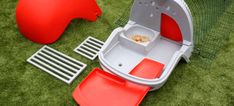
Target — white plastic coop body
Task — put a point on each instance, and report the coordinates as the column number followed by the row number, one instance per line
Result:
column 168, row 27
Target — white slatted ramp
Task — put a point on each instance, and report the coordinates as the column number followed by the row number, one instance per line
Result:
column 57, row 64
column 89, row 48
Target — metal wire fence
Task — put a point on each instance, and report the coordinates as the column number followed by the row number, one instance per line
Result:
column 213, row 22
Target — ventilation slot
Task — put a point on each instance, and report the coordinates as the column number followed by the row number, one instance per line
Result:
column 89, row 48
column 57, row 64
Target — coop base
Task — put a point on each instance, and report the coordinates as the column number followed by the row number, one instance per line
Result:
column 101, row 88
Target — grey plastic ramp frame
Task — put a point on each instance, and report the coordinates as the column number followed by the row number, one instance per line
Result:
column 57, row 64
column 89, row 48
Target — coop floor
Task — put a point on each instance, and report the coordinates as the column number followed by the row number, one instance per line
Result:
column 21, row 84
column 125, row 59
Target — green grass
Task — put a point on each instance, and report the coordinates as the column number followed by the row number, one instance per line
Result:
column 189, row 84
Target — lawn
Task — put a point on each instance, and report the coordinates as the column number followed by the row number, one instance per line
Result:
column 207, row 80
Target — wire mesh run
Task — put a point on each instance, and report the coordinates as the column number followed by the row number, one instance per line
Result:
column 57, row 64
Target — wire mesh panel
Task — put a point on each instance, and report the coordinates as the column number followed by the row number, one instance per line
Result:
column 213, row 21
column 125, row 16
column 212, row 26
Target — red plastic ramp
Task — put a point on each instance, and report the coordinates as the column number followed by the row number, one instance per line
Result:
column 100, row 88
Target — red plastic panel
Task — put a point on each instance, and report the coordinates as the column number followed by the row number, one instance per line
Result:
column 170, row 29
column 148, row 69
column 43, row 21
column 100, row 88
